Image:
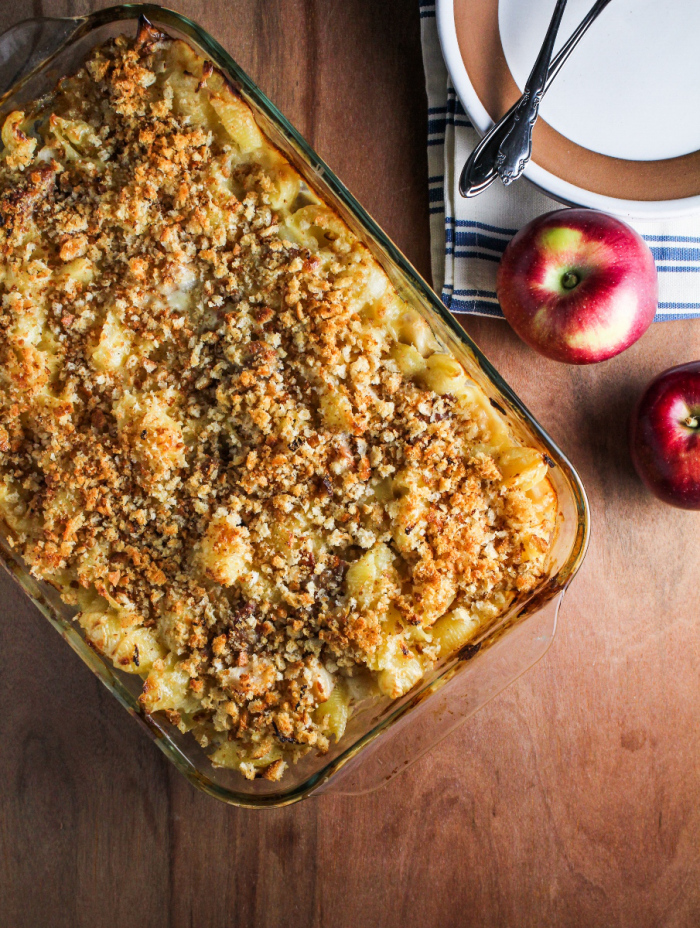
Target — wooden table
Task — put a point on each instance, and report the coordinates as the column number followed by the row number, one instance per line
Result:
column 573, row 799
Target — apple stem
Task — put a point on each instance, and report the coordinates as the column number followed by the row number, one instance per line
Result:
column 693, row 422
column 569, row 280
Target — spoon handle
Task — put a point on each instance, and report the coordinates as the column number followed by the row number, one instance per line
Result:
column 479, row 172
column 515, row 150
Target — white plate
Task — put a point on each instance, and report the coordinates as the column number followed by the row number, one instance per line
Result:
column 622, row 117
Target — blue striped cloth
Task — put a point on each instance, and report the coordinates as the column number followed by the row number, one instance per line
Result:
column 468, row 236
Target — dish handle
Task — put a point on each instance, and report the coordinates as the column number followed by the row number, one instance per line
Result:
column 485, row 675
column 27, row 45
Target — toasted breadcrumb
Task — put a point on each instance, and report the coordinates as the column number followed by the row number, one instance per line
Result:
column 205, row 421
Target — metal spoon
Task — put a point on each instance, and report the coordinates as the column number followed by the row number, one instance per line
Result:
column 516, row 148
column 480, row 170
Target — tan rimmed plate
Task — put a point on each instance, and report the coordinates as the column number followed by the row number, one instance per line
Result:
column 620, row 127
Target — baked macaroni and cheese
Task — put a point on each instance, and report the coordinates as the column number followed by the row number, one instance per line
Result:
column 264, row 485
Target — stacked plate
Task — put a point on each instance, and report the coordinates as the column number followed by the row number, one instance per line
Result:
column 620, row 126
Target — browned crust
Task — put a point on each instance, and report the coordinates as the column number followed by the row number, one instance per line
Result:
column 170, row 453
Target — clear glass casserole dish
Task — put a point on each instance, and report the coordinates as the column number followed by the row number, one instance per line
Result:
column 35, row 53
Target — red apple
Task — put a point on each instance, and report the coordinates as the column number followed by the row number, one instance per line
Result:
column 578, row 285
column 665, row 436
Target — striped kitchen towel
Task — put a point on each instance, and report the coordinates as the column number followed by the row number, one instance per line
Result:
column 467, row 237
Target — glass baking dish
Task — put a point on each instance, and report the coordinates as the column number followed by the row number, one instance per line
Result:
column 386, row 739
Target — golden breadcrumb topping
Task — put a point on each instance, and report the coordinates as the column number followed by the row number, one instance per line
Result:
column 223, row 436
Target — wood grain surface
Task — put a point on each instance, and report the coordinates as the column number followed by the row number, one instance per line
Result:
column 573, row 799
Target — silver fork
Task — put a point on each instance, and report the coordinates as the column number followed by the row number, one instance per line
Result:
column 480, row 170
